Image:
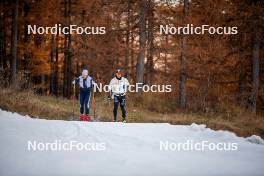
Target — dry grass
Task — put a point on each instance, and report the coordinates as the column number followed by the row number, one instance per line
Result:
column 28, row 103
column 232, row 118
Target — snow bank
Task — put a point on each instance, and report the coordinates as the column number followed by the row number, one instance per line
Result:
column 128, row 149
column 197, row 127
column 255, row 139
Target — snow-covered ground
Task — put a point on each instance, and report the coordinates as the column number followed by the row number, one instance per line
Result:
column 122, row 149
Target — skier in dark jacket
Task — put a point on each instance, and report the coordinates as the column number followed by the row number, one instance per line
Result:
column 85, row 83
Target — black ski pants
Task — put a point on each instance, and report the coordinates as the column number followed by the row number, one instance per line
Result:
column 119, row 100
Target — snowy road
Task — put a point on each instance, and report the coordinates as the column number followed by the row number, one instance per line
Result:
column 122, row 149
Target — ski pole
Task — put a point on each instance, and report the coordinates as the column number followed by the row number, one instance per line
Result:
column 94, row 104
column 109, row 103
column 73, row 101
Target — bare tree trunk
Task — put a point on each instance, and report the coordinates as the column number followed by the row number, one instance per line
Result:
column 42, row 80
column 165, row 58
column 242, row 97
column 67, row 67
column 2, row 40
column 67, row 53
column 256, row 40
column 14, row 42
column 132, row 57
column 127, row 37
column 56, row 76
column 142, row 42
column 69, row 63
column 26, row 41
column 183, row 64
column 52, row 75
column 150, row 64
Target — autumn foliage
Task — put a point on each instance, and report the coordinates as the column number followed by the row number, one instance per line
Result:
column 205, row 71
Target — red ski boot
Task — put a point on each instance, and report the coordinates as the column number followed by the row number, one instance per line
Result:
column 84, row 117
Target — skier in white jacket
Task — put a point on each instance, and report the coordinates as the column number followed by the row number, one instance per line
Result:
column 118, row 86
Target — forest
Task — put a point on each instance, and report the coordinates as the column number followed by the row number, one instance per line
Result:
column 207, row 72
column 132, row 87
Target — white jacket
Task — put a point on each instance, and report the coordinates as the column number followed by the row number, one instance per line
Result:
column 119, row 86
column 89, row 81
